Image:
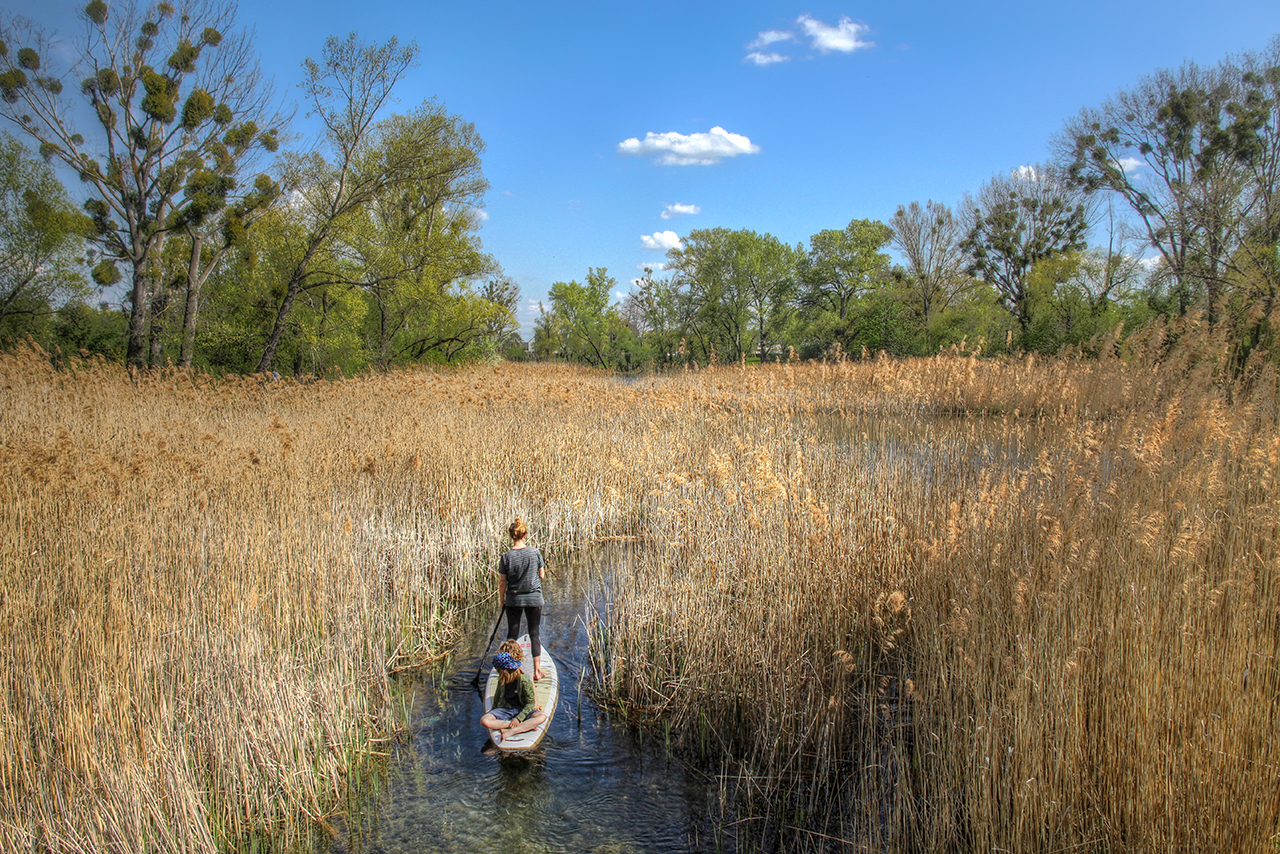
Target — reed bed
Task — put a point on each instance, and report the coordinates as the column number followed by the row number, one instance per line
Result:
column 1014, row 605
column 205, row 585
column 946, row 603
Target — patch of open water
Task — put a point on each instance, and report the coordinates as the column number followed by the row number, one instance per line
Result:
column 593, row 785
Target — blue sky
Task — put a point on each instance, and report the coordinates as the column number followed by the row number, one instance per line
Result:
column 609, row 124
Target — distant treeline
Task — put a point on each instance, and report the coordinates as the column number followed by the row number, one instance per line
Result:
column 1160, row 203
column 236, row 254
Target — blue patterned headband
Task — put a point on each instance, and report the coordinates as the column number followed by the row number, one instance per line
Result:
column 505, row 661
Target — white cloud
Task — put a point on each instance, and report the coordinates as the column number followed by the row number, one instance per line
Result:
column 677, row 149
column 663, row 240
column 1130, row 164
column 758, row 58
column 768, row 37
column 1025, row 173
column 655, row 267
column 844, row 37
column 678, row 209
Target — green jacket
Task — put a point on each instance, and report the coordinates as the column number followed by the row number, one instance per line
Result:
column 524, row 691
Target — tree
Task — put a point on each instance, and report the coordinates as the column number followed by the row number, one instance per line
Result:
column 1072, row 297
column 653, row 310
column 725, row 282
column 416, row 238
column 179, row 110
column 346, row 89
column 41, row 240
column 1195, row 153
column 1015, row 222
column 929, row 238
column 580, row 318
column 503, row 293
column 840, row 266
column 717, row 313
column 207, row 242
column 766, row 268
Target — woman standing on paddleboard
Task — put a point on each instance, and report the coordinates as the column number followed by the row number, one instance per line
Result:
column 520, row 574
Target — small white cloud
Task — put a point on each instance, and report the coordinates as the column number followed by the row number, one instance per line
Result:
column 481, row 216
column 758, row 58
column 663, row 240
column 657, row 268
column 678, row 209
column 1130, row 164
column 845, row 36
column 768, row 37
column 1025, row 173
column 677, row 149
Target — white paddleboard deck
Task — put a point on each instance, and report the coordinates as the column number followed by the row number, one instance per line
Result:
column 546, row 692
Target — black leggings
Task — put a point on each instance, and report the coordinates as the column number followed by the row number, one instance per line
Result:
column 532, row 616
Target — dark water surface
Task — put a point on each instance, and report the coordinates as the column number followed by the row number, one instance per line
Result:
column 591, row 786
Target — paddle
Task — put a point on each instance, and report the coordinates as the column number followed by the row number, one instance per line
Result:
column 476, row 681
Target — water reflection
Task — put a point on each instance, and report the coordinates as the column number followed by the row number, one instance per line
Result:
column 590, row 787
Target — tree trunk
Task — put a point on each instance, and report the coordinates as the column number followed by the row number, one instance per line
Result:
column 194, row 280
column 159, row 306
column 136, row 353
column 273, row 340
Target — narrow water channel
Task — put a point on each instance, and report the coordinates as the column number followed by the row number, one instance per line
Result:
column 592, row 786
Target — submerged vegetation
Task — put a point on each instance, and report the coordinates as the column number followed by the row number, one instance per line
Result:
column 945, row 603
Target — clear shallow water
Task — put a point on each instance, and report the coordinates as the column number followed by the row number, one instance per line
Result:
column 591, row 786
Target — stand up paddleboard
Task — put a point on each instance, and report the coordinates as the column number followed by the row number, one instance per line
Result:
column 546, row 692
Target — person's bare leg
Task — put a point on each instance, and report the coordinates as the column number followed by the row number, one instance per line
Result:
column 529, row 723
column 537, row 670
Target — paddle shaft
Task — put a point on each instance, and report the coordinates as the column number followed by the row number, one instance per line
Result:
column 492, row 635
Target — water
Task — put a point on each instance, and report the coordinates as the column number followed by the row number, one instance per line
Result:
column 593, row 785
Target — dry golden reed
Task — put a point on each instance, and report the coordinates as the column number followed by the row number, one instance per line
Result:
column 945, row 603
column 952, row 604
column 204, row 583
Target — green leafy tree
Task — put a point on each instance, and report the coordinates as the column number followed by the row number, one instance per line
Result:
column 178, row 111
column 347, row 89
column 653, row 311
column 765, row 269
column 840, row 266
column 582, row 318
column 41, row 242
column 416, row 240
column 503, row 328
column 716, row 312
column 1015, row 222
column 1073, row 297
column 731, row 290
column 79, row 327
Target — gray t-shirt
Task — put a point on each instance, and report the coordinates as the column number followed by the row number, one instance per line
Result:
column 524, row 584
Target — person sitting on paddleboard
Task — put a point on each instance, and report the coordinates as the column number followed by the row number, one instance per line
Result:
column 520, row 574
column 514, row 709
